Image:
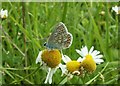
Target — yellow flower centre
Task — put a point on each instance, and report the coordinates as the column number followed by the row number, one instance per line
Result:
column 73, row 66
column 88, row 63
column 51, row 57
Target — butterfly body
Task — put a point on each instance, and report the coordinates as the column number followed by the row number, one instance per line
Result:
column 60, row 38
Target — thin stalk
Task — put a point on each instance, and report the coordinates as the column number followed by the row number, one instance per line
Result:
column 23, row 21
column 107, row 33
column 18, row 69
column 64, row 12
column 21, row 77
column 10, row 40
column 98, row 74
column 26, row 76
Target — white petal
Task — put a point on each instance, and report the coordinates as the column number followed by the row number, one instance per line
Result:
column 4, row 13
column 98, row 52
column 48, row 75
column 65, row 58
column 39, row 58
column 80, row 59
column 95, row 53
column 53, row 70
column 79, row 52
column 115, row 8
column 99, row 56
column 91, row 50
column 63, row 69
column 84, row 50
column 98, row 61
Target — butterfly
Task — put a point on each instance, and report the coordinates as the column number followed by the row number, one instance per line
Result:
column 60, row 38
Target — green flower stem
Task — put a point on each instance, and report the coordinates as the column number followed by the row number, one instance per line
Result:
column 64, row 80
column 97, row 74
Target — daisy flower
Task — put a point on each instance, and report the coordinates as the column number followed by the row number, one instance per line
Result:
column 3, row 14
column 116, row 9
column 71, row 67
column 50, row 61
column 90, row 59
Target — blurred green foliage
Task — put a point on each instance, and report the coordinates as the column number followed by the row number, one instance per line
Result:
column 29, row 25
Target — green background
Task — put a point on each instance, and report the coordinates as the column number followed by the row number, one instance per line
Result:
column 29, row 24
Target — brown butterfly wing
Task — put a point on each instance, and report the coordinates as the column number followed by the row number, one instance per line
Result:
column 60, row 37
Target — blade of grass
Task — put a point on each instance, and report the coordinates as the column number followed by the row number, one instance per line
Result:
column 18, row 69
column 98, row 36
column 98, row 74
column 26, row 33
column 8, row 73
column 64, row 12
column 29, row 82
column 26, row 76
column 115, row 79
column 64, row 80
column 8, row 37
